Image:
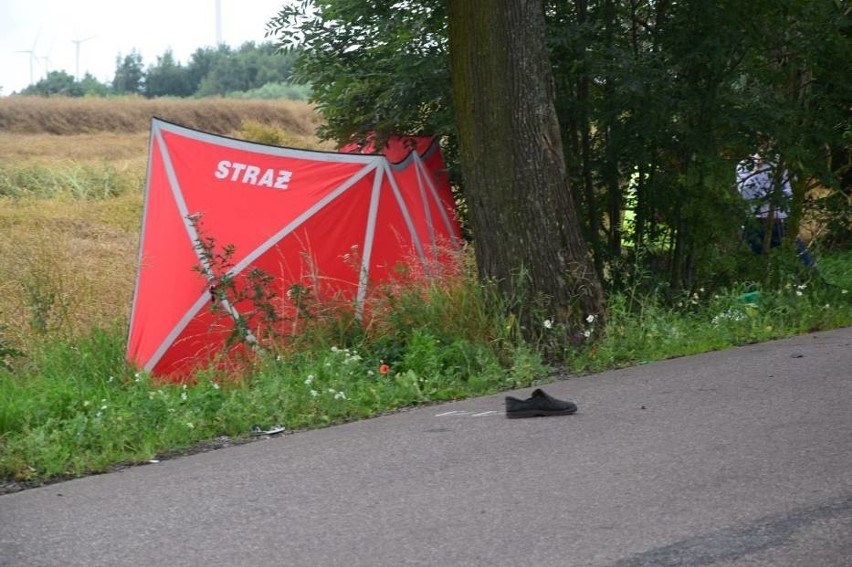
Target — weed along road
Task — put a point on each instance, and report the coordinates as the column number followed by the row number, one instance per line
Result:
column 739, row 457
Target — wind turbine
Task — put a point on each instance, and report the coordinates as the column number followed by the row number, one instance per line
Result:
column 77, row 43
column 218, row 23
column 31, row 51
column 45, row 61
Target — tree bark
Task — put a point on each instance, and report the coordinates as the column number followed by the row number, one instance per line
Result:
column 527, row 236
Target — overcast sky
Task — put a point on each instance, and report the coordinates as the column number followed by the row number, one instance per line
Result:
column 103, row 29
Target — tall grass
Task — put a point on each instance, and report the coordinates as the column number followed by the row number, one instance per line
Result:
column 66, row 265
column 74, row 116
column 75, row 180
column 651, row 328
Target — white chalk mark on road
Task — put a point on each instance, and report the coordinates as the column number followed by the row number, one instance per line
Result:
column 466, row 413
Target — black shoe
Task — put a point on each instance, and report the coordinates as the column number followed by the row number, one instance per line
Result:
column 538, row 405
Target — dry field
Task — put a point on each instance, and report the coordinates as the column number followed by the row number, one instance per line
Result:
column 71, row 179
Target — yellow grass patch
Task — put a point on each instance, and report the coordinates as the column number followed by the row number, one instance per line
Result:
column 121, row 150
column 74, row 116
column 66, row 265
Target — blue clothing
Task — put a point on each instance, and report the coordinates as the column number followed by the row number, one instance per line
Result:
column 754, row 234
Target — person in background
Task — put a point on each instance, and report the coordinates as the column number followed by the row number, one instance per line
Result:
column 768, row 192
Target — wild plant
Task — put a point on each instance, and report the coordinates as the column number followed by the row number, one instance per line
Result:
column 228, row 290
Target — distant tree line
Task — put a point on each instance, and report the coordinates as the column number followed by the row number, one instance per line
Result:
column 260, row 69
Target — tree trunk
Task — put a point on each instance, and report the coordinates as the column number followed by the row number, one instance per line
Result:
column 525, row 228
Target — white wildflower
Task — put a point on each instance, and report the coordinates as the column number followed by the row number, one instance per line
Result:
column 730, row 315
column 350, row 358
column 548, row 324
column 339, row 396
column 309, row 380
column 590, row 319
column 183, row 396
column 587, row 333
column 314, row 393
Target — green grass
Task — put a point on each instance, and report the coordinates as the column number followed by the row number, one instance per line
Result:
column 73, row 179
column 73, row 406
column 700, row 322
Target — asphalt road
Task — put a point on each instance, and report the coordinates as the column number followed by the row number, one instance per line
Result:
column 741, row 457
